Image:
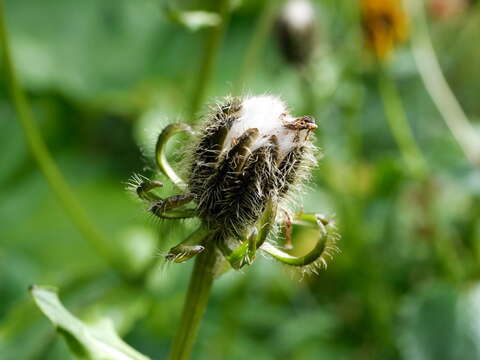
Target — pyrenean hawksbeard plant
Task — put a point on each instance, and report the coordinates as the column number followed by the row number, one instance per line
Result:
column 248, row 158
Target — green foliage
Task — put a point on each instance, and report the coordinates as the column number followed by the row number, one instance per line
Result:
column 193, row 20
column 97, row 341
column 440, row 323
column 104, row 77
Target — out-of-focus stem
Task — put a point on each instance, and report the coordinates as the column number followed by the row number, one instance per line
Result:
column 195, row 303
column 307, row 86
column 438, row 88
column 42, row 156
column 209, row 59
column 399, row 126
column 258, row 38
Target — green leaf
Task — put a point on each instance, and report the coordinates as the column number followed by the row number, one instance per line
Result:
column 193, row 20
column 97, row 341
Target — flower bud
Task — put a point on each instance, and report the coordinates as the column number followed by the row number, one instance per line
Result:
column 248, row 158
column 296, row 31
column 447, row 9
column 250, row 151
column 384, row 25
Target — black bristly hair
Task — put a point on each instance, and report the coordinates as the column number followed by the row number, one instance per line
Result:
column 232, row 185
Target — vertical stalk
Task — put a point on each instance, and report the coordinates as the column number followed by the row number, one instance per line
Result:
column 196, row 301
column 42, row 156
column 438, row 89
column 209, row 59
column 399, row 126
column 307, row 87
column 260, row 34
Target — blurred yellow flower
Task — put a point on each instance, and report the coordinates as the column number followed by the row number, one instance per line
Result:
column 384, row 25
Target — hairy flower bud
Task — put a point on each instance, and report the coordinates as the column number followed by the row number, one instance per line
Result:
column 296, row 31
column 250, row 151
column 249, row 155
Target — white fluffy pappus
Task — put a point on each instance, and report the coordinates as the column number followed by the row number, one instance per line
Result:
column 299, row 14
column 270, row 116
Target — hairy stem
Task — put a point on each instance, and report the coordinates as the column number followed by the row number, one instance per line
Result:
column 399, row 126
column 196, row 301
column 438, row 88
column 260, row 34
column 209, row 59
column 42, row 156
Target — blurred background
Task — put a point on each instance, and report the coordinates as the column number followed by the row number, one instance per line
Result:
column 103, row 77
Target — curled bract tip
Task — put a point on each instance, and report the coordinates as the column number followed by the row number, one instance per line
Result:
column 180, row 254
column 160, row 156
column 315, row 258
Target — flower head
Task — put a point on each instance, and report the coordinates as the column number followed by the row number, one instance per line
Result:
column 250, row 151
column 384, row 25
column 247, row 157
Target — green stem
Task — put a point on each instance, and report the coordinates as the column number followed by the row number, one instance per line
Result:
column 310, row 100
column 196, row 301
column 260, row 34
column 399, row 126
column 439, row 90
column 209, row 59
column 42, row 156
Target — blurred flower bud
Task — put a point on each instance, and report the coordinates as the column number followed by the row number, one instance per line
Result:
column 296, row 31
column 447, row 9
column 250, row 151
column 384, row 25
